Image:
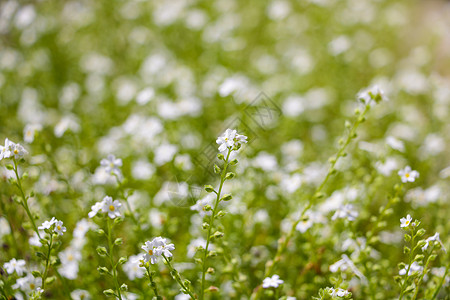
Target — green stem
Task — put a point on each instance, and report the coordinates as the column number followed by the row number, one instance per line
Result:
column 113, row 265
column 416, row 292
column 152, row 282
column 411, row 253
column 284, row 241
column 436, row 292
column 177, row 277
column 211, row 220
column 47, row 261
column 24, row 199
column 122, row 192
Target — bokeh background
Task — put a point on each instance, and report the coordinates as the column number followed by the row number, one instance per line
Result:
column 155, row 82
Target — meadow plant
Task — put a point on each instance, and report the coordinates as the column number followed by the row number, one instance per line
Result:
column 200, row 150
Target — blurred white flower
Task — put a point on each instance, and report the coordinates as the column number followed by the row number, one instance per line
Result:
column 28, row 283
column 112, row 164
column 434, row 238
column 415, row 267
column 14, row 265
column 273, row 281
column 80, row 295
column 408, row 175
column 29, row 132
column 132, row 268
column 395, row 143
column 346, row 211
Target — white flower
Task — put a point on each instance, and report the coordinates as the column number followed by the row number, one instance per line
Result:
column 29, row 132
column 434, row 238
column 59, row 228
column 151, row 252
column 70, row 258
column 18, row 151
column 405, row 222
column 34, row 240
column 337, row 292
column 47, row 224
column 28, row 283
column 345, row 212
column 132, row 268
column 112, row 164
column 347, row 264
column 230, row 139
column 372, row 94
column 95, row 209
column 408, row 175
column 111, row 207
column 14, row 265
column 157, row 247
column 80, row 295
column 273, row 281
column 415, row 267
column 11, row 149
column 182, row 297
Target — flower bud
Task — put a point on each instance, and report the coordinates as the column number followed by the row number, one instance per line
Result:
column 122, row 260
column 233, row 162
column 209, row 188
column 220, row 156
column 216, row 169
column 218, row 234
column 109, row 293
column 420, row 232
column 118, row 220
column 101, row 251
column 118, row 241
column 50, row 280
column 124, row 287
column 230, row 175
column 103, row 270
column 36, row 274
column 226, row 197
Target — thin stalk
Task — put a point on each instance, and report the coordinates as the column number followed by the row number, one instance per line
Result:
column 284, row 241
column 211, row 220
column 110, row 254
column 436, row 292
column 47, row 261
column 24, row 199
column 122, row 192
column 152, row 282
column 424, row 271
column 411, row 253
column 177, row 278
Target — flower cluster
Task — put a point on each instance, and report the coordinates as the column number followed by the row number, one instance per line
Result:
column 12, row 150
column 371, row 95
column 230, row 140
column 107, row 205
column 156, row 248
column 53, row 225
column 338, row 292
